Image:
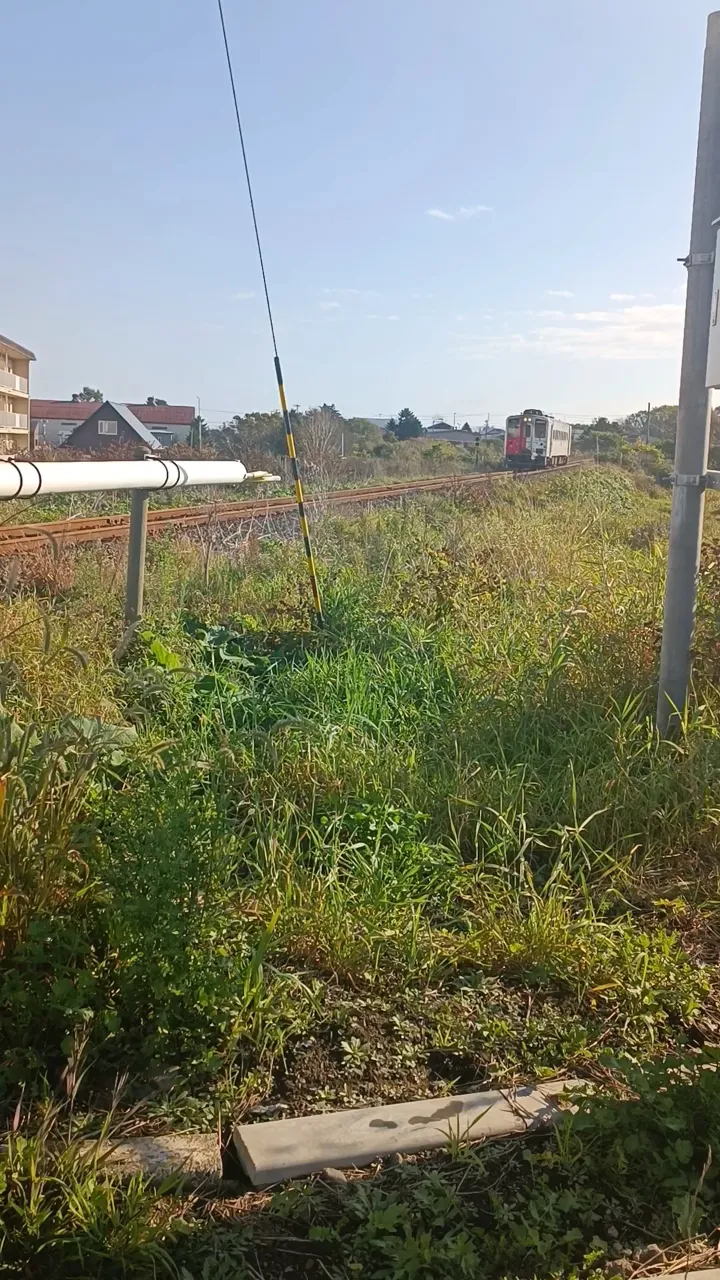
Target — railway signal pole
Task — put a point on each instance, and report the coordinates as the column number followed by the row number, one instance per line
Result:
column 693, row 428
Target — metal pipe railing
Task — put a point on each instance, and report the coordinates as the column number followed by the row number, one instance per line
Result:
column 142, row 476
column 27, row 479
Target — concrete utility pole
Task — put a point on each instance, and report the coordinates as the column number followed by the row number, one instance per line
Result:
column 135, row 587
column 693, row 428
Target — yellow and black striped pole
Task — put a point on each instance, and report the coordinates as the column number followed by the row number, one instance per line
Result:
column 290, row 441
column 278, row 372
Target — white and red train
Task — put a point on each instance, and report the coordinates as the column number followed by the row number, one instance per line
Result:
column 534, row 439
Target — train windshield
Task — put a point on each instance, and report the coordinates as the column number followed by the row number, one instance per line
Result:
column 540, row 429
column 513, row 427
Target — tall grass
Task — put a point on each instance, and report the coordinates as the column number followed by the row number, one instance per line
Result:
column 456, row 784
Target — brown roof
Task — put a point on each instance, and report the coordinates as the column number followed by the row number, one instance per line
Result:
column 22, row 351
column 171, row 415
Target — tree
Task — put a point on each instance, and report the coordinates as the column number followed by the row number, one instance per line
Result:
column 663, row 423
column 256, row 433
column 153, row 400
column 609, row 434
column 407, row 426
column 318, row 431
column 197, row 434
column 361, row 436
column 331, row 410
column 87, row 394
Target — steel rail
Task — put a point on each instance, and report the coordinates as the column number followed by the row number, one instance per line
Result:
column 23, row 537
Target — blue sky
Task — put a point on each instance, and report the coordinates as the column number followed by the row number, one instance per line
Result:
column 467, row 206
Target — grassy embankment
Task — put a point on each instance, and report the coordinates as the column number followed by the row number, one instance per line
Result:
column 437, row 847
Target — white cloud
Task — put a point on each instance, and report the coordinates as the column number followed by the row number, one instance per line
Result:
column 461, row 214
column 628, row 333
column 373, row 316
column 623, row 297
column 559, row 293
column 547, row 315
column 329, row 306
column 244, row 295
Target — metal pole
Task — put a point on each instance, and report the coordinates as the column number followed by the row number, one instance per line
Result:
column 299, row 496
column 693, row 428
column 136, row 556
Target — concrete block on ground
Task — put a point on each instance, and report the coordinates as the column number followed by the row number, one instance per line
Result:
column 194, row 1156
column 713, row 1273
column 280, row 1149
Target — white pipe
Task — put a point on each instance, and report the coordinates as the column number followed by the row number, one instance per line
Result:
column 26, row 479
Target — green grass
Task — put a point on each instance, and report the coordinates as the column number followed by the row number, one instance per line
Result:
column 438, row 845
column 606, row 1193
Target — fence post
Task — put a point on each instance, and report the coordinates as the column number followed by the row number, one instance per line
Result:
column 136, row 556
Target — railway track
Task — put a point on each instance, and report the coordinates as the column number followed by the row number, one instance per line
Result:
column 26, row 537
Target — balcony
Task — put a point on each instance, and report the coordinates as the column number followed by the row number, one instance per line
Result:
column 13, row 421
column 13, row 382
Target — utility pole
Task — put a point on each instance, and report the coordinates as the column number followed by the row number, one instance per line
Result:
column 135, row 586
column 693, row 428
column 199, row 430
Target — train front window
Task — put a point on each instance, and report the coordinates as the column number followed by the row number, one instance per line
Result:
column 513, row 428
column 540, row 430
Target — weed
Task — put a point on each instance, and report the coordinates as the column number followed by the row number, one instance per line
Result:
column 623, row 1170
column 433, row 844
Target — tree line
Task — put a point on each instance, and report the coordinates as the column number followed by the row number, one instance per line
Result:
column 650, row 434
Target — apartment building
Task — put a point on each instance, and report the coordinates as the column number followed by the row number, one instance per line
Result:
column 14, row 396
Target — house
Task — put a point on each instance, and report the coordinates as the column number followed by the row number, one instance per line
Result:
column 111, row 424
column 443, row 431
column 14, row 396
column 54, row 420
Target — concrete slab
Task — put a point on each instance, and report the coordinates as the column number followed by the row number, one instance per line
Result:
column 282, row 1149
column 194, row 1156
column 713, row 1273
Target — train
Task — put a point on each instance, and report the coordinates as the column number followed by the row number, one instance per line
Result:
column 534, row 439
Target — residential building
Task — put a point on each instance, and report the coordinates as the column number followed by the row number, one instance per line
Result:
column 54, row 420
column 14, row 396
column 447, row 434
column 108, row 425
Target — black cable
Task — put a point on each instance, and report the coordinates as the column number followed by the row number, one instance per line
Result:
column 247, row 177
column 287, row 421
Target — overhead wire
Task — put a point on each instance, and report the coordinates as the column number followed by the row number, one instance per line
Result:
column 287, row 422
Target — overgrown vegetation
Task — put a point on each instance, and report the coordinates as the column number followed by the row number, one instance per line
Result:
column 437, row 846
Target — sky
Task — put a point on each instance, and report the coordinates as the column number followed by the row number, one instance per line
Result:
column 467, row 206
